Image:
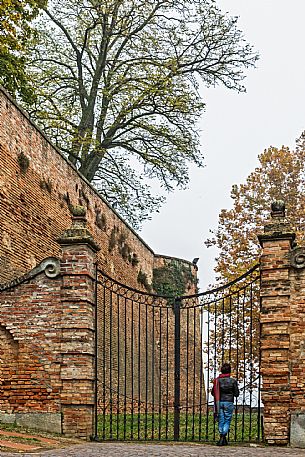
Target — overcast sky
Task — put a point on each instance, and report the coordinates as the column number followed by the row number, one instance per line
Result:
column 235, row 128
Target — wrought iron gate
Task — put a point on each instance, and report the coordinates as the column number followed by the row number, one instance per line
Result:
column 157, row 357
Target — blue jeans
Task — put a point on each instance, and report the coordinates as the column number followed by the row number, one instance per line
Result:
column 225, row 416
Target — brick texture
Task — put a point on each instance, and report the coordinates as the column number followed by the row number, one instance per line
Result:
column 30, row 371
column 282, row 331
column 48, row 325
column 34, row 206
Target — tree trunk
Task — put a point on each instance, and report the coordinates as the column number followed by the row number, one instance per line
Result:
column 91, row 164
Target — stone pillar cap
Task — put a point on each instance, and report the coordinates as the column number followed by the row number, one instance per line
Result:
column 278, row 227
column 278, row 209
column 78, row 233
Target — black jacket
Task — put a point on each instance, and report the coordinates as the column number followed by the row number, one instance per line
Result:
column 228, row 389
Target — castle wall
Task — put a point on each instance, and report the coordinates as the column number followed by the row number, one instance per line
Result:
column 36, row 186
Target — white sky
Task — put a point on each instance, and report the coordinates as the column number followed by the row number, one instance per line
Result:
column 237, row 127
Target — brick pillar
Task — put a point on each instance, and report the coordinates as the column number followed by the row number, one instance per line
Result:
column 297, row 347
column 78, row 304
column 276, row 241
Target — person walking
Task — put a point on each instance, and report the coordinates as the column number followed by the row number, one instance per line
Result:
column 224, row 390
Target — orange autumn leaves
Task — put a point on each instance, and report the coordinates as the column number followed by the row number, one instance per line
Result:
column 279, row 176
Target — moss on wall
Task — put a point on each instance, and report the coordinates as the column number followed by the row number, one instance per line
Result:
column 173, row 279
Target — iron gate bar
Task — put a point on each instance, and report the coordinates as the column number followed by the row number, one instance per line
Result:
column 146, row 369
column 177, row 307
column 124, row 366
column 160, row 371
column 237, row 370
column 194, row 378
column 201, row 380
column 244, row 358
column 251, row 348
column 104, row 363
column 215, row 350
column 132, row 369
column 119, row 364
column 135, row 341
column 187, row 372
column 153, row 374
column 167, row 375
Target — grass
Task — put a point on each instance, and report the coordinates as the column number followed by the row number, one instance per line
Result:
column 160, row 427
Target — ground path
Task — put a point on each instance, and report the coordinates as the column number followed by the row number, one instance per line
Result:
column 156, row 450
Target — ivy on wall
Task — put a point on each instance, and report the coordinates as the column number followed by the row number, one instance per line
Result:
column 173, row 279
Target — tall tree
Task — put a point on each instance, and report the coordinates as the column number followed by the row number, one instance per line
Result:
column 15, row 32
column 118, row 88
column 279, row 176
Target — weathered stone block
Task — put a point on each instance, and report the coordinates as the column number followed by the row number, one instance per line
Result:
column 48, row 422
column 297, row 430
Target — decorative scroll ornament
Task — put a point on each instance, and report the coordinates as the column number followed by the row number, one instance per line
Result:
column 50, row 266
column 297, row 258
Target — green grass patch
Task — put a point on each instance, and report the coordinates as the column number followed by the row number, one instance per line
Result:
column 160, row 427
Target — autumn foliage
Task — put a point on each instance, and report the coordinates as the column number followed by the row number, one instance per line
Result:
column 279, row 176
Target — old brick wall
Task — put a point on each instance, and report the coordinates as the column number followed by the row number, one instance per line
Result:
column 47, row 339
column 38, row 187
column 34, row 206
column 30, row 348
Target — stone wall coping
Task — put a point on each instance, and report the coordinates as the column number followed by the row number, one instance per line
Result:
column 82, row 239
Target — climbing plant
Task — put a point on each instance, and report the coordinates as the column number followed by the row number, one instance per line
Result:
column 173, row 279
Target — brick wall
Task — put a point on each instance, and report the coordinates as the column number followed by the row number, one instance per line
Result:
column 30, row 371
column 282, row 332
column 48, row 339
column 38, row 187
column 34, row 206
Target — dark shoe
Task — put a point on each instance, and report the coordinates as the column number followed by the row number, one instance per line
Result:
column 221, row 442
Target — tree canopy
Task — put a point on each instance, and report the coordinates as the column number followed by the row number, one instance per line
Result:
column 15, row 31
column 118, row 88
column 279, row 176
